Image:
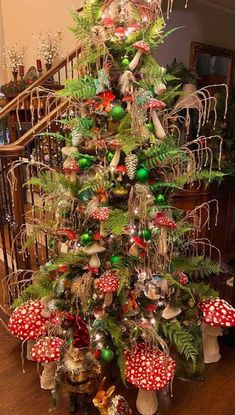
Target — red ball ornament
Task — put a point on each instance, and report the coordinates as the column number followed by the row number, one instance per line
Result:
column 63, row 268
column 96, row 353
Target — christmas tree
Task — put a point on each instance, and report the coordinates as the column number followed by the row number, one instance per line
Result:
column 120, row 283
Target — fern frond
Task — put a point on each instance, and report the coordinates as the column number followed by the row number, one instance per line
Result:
column 182, row 340
column 159, row 154
column 42, row 288
column 82, row 88
column 116, row 222
column 129, row 142
column 197, row 266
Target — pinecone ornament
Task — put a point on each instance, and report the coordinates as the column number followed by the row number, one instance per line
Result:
column 76, row 138
column 131, row 162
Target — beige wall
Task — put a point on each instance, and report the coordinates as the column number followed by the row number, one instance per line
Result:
column 2, row 60
column 200, row 23
column 23, row 18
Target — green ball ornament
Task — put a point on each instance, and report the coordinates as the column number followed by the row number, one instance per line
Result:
column 117, row 113
column 84, row 163
column 146, row 234
column 142, row 175
column 69, row 341
column 86, row 238
column 116, row 260
column 125, row 62
column 85, row 196
column 160, row 199
column 109, row 156
column 51, row 243
column 150, row 127
column 107, row 355
column 152, row 212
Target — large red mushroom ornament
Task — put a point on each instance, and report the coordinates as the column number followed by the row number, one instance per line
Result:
column 149, row 369
column 217, row 313
column 165, row 223
column 27, row 323
column 142, row 48
column 108, row 283
column 47, row 352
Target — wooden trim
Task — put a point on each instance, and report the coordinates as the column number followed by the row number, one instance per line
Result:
column 40, row 81
column 197, row 47
column 17, row 148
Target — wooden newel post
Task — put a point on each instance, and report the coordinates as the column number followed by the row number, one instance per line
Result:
column 22, row 260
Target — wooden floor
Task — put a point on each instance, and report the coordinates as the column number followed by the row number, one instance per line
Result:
column 20, row 393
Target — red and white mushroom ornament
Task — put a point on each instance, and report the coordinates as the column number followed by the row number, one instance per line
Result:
column 121, row 170
column 217, row 313
column 108, row 284
column 27, row 323
column 101, row 214
column 128, row 100
column 117, row 146
column 149, row 369
column 47, row 351
column 93, row 250
column 165, row 223
column 138, row 243
column 142, row 48
column 182, row 278
column 155, row 105
column 71, row 169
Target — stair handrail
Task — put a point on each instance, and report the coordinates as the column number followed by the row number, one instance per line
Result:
column 16, row 149
column 14, row 104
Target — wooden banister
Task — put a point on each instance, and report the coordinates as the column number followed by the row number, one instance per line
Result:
column 17, row 148
column 40, row 81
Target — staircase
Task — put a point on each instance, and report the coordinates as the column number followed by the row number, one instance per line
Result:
column 33, row 111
